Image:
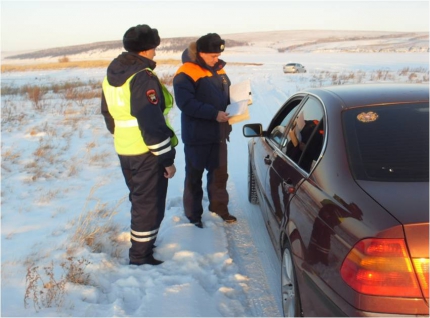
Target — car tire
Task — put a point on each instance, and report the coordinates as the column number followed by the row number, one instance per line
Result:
column 290, row 291
column 252, row 191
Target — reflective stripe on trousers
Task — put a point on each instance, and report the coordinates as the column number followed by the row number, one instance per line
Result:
column 143, row 236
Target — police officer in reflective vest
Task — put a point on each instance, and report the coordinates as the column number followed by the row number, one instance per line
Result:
column 135, row 105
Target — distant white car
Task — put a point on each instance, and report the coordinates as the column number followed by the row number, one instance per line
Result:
column 294, row 68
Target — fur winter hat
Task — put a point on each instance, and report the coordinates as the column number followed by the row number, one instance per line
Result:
column 210, row 43
column 140, row 38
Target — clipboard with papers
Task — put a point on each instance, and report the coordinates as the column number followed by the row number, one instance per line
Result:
column 240, row 99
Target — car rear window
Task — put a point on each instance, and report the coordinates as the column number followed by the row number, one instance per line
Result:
column 388, row 143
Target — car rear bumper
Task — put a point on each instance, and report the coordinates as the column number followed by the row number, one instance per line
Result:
column 323, row 301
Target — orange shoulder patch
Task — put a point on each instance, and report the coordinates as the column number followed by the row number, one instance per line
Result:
column 194, row 71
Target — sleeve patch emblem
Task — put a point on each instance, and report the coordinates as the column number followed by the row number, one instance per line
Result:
column 152, row 96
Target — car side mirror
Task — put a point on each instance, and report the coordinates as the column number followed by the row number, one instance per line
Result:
column 252, row 130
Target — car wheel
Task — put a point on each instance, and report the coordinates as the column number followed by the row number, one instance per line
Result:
column 252, row 191
column 290, row 292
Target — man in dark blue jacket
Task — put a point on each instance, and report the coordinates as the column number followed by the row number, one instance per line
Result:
column 201, row 88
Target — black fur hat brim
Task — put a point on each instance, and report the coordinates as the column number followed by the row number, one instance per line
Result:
column 140, row 38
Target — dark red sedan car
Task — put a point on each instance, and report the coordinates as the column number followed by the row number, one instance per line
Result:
column 341, row 175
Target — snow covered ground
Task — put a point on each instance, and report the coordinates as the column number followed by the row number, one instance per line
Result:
column 61, row 182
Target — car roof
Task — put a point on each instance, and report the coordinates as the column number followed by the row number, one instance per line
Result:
column 372, row 94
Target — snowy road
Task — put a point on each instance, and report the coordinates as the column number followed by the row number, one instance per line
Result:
column 59, row 165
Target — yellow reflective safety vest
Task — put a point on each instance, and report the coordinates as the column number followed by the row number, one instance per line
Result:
column 127, row 135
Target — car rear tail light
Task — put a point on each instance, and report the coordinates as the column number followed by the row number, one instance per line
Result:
column 422, row 269
column 383, row 267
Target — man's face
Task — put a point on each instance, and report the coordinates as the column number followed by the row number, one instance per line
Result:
column 210, row 58
column 148, row 54
column 151, row 54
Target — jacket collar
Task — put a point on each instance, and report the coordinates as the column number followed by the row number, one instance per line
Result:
column 125, row 65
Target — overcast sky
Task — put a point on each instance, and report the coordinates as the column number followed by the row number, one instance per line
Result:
column 34, row 25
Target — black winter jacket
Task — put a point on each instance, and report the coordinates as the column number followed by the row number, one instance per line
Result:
column 200, row 93
column 150, row 116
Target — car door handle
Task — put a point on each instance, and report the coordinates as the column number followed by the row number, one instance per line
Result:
column 288, row 186
column 267, row 160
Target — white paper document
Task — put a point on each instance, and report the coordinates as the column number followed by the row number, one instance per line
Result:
column 240, row 98
column 240, row 91
column 237, row 108
column 300, row 124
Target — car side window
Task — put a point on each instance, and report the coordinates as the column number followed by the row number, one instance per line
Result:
column 281, row 121
column 305, row 138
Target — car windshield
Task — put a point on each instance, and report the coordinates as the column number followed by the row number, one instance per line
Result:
column 388, row 143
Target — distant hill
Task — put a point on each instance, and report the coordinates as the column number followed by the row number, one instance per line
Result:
column 307, row 41
column 353, row 41
column 168, row 44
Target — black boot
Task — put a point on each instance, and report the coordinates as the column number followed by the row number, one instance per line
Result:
column 150, row 260
column 197, row 223
column 229, row 218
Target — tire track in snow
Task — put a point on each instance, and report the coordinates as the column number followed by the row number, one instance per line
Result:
column 247, row 254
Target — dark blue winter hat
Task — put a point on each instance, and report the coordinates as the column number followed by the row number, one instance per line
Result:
column 141, row 38
column 210, row 43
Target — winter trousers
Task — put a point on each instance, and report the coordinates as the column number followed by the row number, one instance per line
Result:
column 145, row 180
column 212, row 158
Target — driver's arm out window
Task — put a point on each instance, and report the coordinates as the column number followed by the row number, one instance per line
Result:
column 278, row 132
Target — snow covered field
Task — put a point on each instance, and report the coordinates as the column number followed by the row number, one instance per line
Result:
column 65, row 210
